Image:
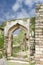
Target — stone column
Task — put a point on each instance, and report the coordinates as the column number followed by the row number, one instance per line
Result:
column 39, row 35
column 9, row 47
column 32, row 42
column 5, row 46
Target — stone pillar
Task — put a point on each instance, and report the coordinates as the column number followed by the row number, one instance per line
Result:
column 32, row 41
column 9, row 47
column 5, row 46
column 39, row 35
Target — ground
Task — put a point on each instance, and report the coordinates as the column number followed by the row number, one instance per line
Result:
column 16, row 63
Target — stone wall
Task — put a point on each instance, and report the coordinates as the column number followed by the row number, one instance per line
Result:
column 8, row 30
column 39, row 35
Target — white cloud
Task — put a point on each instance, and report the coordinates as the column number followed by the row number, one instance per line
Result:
column 39, row 1
column 7, row 16
column 32, row 12
column 29, row 2
column 20, row 1
column 16, row 6
column 22, row 14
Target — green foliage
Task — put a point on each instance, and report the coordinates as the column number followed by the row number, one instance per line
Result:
column 17, row 63
column 1, row 40
column 14, row 54
column 38, row 6
column 25, row 19
column 32, row 25
column 18, row 39
column 32, row 63
column 3, row 25
column 16, row 49
column 21, row 34
column 1, row 54
column 15, row 40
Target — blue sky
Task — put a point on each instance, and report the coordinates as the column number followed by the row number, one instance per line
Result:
column 14, row 9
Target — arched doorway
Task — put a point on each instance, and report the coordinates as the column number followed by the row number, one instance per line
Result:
column 20, row 43
column 8, row 34
column 9, row 50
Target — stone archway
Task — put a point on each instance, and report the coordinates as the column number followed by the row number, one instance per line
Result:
column 10, row 27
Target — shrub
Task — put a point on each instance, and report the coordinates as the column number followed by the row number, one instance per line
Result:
column 1, row 54
column 1, row 40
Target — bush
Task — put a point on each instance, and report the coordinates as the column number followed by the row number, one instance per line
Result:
column 1, row 40
column 1, row 54
column 15, row 55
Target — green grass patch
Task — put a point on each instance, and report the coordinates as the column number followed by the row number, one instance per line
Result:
column 16, row 63
column 32, row 63
column 16, row 49
column 15, row 55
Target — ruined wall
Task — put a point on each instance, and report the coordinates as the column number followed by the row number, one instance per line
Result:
column 8, row 30
column 39, row 35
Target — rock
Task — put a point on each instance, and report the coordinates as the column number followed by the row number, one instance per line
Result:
column 3, row 61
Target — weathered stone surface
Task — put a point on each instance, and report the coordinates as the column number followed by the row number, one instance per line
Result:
column 10, row 28
column 3, row 61
column 39, row 36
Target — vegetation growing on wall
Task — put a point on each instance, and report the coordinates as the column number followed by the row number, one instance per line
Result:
column 32, row 24
column 17, row 41
column 3, row 25
column 1, row 40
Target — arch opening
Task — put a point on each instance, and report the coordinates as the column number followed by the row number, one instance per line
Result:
column 21, row 42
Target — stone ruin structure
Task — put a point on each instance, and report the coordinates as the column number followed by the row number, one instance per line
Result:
column 39, row 35
column 9, row 29
column 13, row 25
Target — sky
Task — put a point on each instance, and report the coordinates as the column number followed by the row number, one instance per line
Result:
column 17, row 9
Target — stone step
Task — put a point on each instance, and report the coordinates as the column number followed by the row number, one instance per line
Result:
column 41, row 9
column 39, row 33
column 39, row 13
column 39, row 24
column 39, row 37
column 18, row 59
column 40, row 30
column 39, row 17
column 39, row 27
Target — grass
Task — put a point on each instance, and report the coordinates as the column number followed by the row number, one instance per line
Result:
column 16, row 63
